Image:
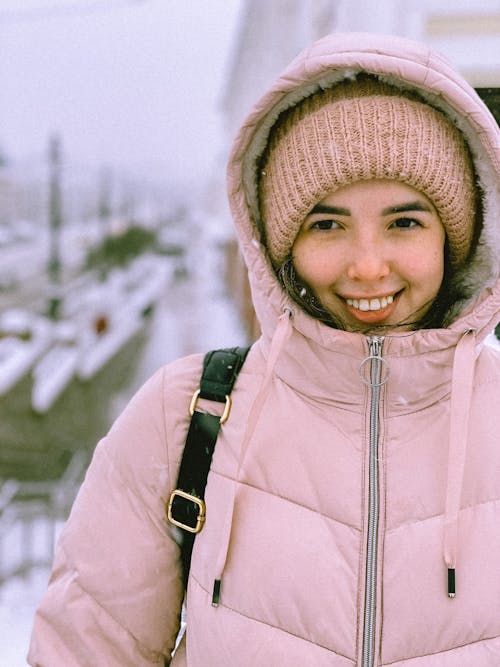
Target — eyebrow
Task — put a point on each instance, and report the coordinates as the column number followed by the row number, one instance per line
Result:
column 332, row 210
column 390, row 210
column 410, row 206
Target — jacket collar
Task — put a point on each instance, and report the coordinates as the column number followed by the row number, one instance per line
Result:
column 325, row 364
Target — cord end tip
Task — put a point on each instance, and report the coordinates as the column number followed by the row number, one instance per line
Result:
column 451, row 582
column 216, row 593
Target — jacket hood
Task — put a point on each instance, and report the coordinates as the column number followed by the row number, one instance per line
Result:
column 403, row 63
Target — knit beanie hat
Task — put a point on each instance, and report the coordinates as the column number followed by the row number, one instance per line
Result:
column 358, row 130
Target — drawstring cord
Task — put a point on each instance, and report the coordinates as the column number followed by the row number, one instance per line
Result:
column 280, row 337
column 461, row 394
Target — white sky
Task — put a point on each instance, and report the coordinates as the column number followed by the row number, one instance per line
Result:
column 135, row 84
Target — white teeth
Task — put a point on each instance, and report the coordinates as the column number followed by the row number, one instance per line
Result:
column 364, row 304
column 370, row 304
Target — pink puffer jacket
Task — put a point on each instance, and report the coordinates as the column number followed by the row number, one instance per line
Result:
column 353, row 474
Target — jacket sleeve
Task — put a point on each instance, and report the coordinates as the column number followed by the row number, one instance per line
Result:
column 115, row 593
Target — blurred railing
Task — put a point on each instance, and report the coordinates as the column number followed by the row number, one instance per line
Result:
column 30, row 515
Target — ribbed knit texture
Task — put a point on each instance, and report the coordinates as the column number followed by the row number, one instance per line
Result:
column 360, row 130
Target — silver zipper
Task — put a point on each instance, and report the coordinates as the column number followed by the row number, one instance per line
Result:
column 375, row 383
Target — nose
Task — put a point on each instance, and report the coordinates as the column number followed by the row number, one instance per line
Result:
column 369, row 262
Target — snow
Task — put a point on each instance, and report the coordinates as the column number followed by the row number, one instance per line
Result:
column 18, row 354
column 52, row 375
column 20, row 595
column 19, row 598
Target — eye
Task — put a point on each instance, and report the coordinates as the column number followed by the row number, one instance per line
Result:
column 324, row 225
column 405, row 223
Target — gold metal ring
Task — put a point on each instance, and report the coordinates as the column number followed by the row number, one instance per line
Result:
column 227, row 408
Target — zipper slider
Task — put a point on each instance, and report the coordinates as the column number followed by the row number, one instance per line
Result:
column 375, row 344
column 372, row 374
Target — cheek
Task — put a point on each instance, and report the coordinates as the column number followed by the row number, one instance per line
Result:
column 315, row 257
column 436, row 257
column 426, row 268
column 316, row 267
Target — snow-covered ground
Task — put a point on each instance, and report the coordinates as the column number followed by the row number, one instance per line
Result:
column 19, row 598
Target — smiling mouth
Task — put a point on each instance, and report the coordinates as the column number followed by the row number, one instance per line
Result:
column 365, row 305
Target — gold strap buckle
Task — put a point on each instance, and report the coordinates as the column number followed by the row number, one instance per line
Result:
column 200, row 520
column 227, row 408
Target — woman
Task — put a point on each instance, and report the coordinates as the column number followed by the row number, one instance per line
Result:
column 353, row 499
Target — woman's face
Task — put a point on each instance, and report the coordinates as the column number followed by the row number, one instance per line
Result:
column 373, row 253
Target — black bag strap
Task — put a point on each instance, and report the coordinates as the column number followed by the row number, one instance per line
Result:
column 186, row 507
